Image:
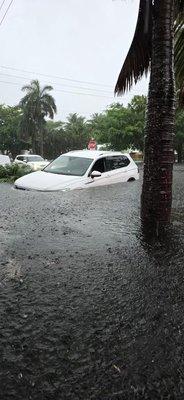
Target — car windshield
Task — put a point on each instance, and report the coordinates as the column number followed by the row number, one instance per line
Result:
column 69, row 165
column 34, row 158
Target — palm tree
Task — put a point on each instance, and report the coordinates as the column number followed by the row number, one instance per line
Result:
column 152, row 48
column 76, row 132
column 36, row 105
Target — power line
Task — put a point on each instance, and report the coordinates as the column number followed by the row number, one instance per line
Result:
column 60, row 84
column 2, row 4
column 56, row 77
column 6, row 12
column 72, row 93
column 63, row 91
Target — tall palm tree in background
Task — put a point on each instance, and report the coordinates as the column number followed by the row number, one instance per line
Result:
column 36, row 105
column 153, row 48
column 76, row 131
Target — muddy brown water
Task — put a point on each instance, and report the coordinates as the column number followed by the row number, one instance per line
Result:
column 89, row 310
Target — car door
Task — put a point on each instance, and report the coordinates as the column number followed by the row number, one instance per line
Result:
column 100, row 166
column 117, row 168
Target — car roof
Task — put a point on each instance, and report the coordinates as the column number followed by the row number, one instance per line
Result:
column 3, row 156
column 93, row 154
column 28, row 155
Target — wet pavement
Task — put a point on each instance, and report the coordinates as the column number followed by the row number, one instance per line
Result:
column 89, row 309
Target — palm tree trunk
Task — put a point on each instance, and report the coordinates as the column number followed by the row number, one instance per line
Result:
column 156, row 196
column 33, row 143
column 180, row 153
column 42, row 131
column 41, row 142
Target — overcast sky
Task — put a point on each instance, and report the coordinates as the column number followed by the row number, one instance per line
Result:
column 79, row 44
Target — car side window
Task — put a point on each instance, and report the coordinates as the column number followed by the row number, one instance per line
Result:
column 115, row 162
column 99, row 165
column 20, row 158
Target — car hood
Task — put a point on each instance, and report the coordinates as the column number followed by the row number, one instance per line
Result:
column 46, row 181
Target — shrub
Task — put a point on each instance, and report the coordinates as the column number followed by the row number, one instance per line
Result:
column 12, row 172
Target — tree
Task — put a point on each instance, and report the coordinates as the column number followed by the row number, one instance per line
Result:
column 36, row 105
column 10, row 141
column 153, row 46
column 55, row 140
column 96, row 127
column 76, row 132
column 121, row 127
column 137, row 106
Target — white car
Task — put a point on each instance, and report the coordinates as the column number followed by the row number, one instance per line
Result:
column 81, row 169
column 33, row 160
column 4, row 160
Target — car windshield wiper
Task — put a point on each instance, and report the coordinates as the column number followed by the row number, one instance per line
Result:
column 54, row 172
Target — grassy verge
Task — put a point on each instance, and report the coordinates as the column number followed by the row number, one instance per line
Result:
column 12, row 172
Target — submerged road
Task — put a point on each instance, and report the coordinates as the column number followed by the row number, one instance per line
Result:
column 89, row 310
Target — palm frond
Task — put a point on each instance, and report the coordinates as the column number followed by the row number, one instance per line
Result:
column 179, row 58
column 46, row 88
column 138, row 58
column 34, row 86
column 26, row 88
column 48, row 99
column 48, row 111
column 179, row 51
column 179, row 8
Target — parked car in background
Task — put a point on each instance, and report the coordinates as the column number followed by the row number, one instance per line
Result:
column 35, row 161
column 81, row 169
column 4, row 160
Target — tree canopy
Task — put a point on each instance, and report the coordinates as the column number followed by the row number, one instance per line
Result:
column 36, row 105
column 118, row 127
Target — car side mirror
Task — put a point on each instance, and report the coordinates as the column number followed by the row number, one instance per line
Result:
column 95, row 174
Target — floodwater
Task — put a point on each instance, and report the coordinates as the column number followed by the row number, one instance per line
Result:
column 89, row 310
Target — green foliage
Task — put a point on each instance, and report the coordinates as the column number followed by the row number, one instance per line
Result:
column 76, row 132
column 121, row 127
column 36, row 105
column 12, row 172
column 61, row 137
column 54, row 139
column 10, row 140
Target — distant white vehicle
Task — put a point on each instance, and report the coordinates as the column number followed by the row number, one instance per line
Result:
column 103, row 146
column 34, row 161
column 81, row 169
column 4, row 160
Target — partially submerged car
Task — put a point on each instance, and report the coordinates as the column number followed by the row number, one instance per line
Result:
column 34, row 161
column 4, row 160
column 81, row 169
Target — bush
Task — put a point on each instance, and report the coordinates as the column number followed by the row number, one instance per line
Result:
column 12, row 172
